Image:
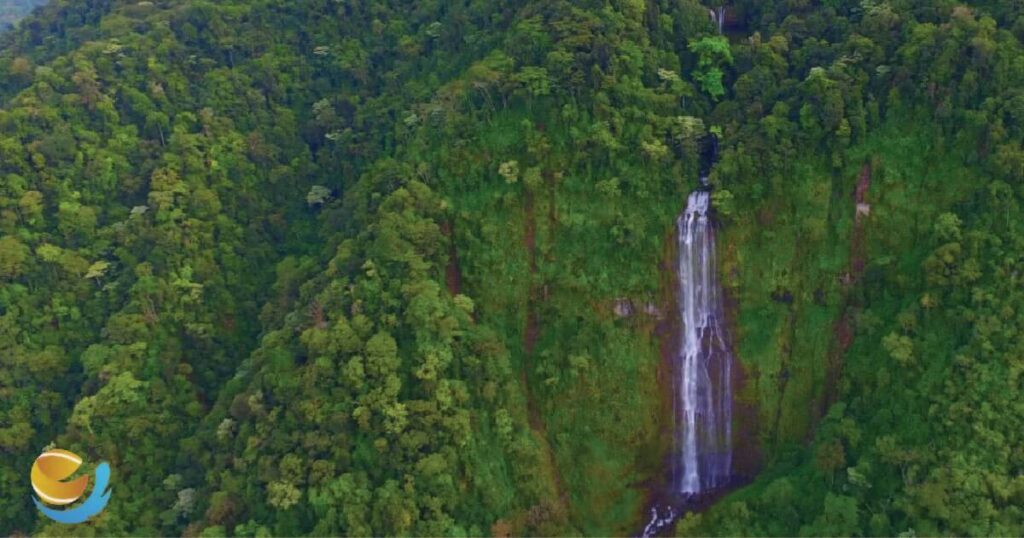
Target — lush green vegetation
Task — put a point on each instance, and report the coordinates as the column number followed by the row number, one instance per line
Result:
column 339, row 267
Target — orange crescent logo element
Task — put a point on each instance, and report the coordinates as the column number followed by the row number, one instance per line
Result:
column 48, row 471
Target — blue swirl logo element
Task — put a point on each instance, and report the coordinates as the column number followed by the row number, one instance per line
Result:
column 50, row 470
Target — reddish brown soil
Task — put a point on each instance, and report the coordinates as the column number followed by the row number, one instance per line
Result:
column 552, row 182
column 530, row 242
column 746, row 458
column 843, row 329
column 863, row 184
column 453, row 275
column 530, row 333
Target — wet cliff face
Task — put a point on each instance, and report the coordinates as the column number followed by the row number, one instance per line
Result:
column 702, row 373
column 704, row 361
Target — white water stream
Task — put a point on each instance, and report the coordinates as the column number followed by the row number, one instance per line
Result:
column 702, row 365
column 704, row 362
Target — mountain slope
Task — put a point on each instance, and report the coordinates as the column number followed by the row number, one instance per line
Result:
column 333, row 268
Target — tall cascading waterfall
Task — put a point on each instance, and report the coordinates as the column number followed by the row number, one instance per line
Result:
column 702, row 364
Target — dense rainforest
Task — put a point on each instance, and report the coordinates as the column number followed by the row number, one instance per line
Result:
column 341, row 267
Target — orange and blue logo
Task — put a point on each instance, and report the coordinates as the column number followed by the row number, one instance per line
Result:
column 50, row 470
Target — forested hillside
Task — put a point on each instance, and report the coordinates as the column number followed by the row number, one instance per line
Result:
column 338, row 267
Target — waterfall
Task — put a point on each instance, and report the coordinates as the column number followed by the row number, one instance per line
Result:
column 718, row 17
column 703, row 403
column 701, row 459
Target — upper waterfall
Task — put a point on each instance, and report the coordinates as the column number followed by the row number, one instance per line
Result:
column 717, row 16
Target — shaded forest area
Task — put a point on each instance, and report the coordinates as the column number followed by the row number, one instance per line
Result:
column 351, row 268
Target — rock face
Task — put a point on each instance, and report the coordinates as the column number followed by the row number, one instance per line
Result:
column 863, row 210
column 625, row 307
